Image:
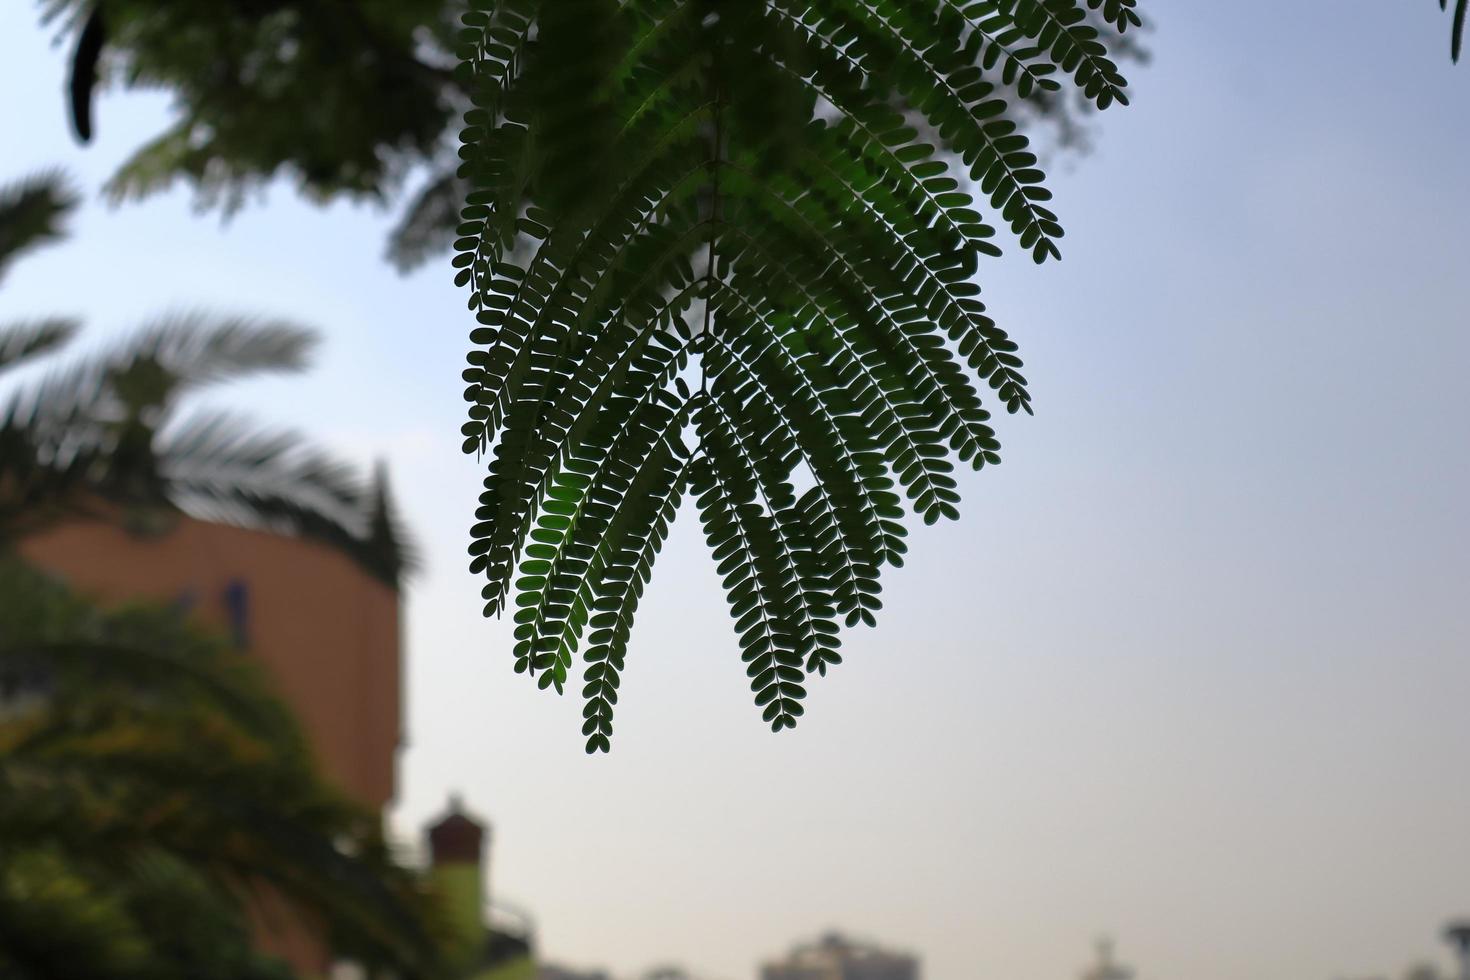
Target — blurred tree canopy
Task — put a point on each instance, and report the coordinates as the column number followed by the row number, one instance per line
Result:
column 343, row 97
column 150, row 786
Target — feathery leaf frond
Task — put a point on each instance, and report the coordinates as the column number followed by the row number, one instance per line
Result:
column 726, row 249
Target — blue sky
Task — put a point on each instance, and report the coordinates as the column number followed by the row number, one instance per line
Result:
column 1190, row 671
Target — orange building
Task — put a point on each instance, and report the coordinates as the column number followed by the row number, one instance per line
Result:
column 324, row 627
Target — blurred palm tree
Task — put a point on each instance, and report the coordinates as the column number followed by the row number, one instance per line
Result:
column 152, row 789
column 105, row 436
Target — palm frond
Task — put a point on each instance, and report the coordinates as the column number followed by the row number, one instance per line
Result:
column 219, row 466
column 196, row 348
column 19, row 341
column 726, row 250
column 427, row 225
column 218, row 460
column 102, row 431
column 31, row 214
column 142, row 377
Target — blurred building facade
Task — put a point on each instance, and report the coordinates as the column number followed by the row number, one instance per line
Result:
column 835, row 957
column 325, row 629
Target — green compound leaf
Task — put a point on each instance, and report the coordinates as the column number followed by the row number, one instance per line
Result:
column 726, row 250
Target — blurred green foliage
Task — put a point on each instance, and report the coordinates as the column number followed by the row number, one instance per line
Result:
column 341, row 97
column 344, row 95
column 150, row 783
column 150, row 786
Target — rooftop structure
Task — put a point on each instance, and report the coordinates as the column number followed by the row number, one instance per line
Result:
column 1106, row 967
column 835, row 957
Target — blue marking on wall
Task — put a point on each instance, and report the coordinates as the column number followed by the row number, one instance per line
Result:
column 237, row 612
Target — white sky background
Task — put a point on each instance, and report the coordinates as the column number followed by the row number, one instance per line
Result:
column 1190, row 671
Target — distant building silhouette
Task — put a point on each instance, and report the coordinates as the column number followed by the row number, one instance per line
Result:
column 1423, row 971
column 549, row 972
column 1106, row 968
column 1457, row 934
column 834, row 957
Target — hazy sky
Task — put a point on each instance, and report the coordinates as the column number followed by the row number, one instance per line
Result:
column 1192, row 669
